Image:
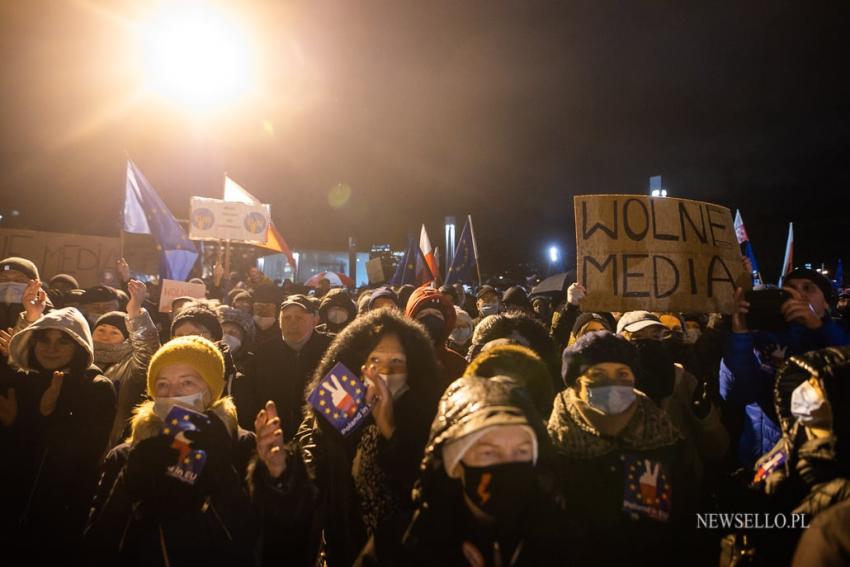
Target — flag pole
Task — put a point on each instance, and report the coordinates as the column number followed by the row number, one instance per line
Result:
column 474, row 248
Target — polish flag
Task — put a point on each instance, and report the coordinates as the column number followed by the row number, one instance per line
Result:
column 788, row 264
column 428, row 253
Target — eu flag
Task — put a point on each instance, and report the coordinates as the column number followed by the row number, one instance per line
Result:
column 412, row 269
column 145, row 213
column 464, row 267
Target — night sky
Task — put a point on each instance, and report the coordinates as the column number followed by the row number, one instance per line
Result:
column 501, row 110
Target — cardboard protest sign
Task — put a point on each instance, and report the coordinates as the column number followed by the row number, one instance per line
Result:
column 190, row 462
column 172, row 289
column 340, row 399
column 215, row 219
column 656, row 253
column 375, row 271
column 84, row 257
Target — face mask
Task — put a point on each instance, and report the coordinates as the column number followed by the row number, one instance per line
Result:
column 810, row 407
column 232, row 342
column 396, row 384
column 501, row 491
column 610, row 400
column 657, row 374
column 489, row 309
column 197, row 402
column 12, row 292
column 264, row 323
column 461, row 335
column 691, row 336
column 435, row 326
column 337, row 315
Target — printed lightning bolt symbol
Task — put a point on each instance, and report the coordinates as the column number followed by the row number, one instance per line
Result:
column 483, row 485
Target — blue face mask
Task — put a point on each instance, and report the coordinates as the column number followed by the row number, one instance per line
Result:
column 610, row 400
column 489, row 309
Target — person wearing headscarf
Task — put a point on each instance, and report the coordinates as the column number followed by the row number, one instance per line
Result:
column 57, row 413
column 360, row 480
column 486, row 494
column 147, row 509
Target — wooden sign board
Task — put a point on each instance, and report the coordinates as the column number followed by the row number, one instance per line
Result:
column 656, row 253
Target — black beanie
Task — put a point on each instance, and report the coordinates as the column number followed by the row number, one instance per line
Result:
column 517, row 297
column 818, row 279
column 117, row 319
column 98, row 294
column 22, row 265
column 586, row 318
column 200, row 315
column 64, row 278
column 594, row 348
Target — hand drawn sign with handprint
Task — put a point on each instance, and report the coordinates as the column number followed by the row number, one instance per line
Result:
column 340, row 399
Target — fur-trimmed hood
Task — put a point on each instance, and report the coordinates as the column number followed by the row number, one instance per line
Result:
column 146, row 423
column 68, row 320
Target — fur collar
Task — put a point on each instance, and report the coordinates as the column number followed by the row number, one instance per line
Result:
column 146, row 423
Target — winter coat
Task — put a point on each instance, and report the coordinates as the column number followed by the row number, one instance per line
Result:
column 748, row 372
column 631, row 492
column 281, row 376
column 442, row 522
column 129, row 372
column 210, row 522
column 357, row 482
column 49, row 463
column 826, row 543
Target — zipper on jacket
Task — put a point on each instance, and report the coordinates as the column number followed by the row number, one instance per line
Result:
column 26, row 511
column 208, row 505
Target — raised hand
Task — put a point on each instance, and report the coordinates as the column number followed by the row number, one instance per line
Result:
column 798, row 310
column 138, row 292
column 739, row 317
column 8, row 408
column 34, row 301
column 270, row 440
column 378, row 398
column 575, row 293
column 218, row 272
column 48, row 399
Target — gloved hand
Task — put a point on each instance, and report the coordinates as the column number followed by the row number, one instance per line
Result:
column 701, row 400
column 575, row 293
column 215, row 440
column 146, row 466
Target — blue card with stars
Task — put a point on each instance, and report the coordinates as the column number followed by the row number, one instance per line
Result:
column 340, row 398
column 190, row 462
column 648, row 488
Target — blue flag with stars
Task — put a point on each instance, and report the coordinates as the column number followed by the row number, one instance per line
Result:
column 340, row 398
column 412, row 269
column 464, row 268
column 145, row 213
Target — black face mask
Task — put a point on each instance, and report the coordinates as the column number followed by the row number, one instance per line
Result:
column 656, row 371
column 435, row 326
column 675, row 346
column 503, row 492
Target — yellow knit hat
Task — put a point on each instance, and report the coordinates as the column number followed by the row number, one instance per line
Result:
column 197, row 352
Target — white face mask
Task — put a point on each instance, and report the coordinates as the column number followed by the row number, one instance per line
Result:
column 264, row 323
column 461, row 334
column 337, row 315
column 610, row 400
column 232, row 342
column 396, row 384
column 197, row 402
column 12, row 292
column 810, row 407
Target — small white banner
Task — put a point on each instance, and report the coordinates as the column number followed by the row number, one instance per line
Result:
column 215, row 219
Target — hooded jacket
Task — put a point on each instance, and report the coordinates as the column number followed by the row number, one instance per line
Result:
column 748, row 372
column 337, row 297
column 210, row 522
column 50, row 462
column 452, row 364
column 128, row 373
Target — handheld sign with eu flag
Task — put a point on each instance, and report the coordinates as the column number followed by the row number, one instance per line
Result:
column 340, row 398
column 191, row 461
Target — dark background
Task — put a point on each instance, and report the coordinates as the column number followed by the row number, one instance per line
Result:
column 501, row 110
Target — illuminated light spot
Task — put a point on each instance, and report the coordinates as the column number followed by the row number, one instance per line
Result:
column 328, row 411
column 321, row 402
column 173, row 422
column 186, row 460
column 197, row 456
column 339, row 195
column 336, row 416
column 268, row 127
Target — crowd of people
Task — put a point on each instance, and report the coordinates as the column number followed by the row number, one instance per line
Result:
column 502, row 429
